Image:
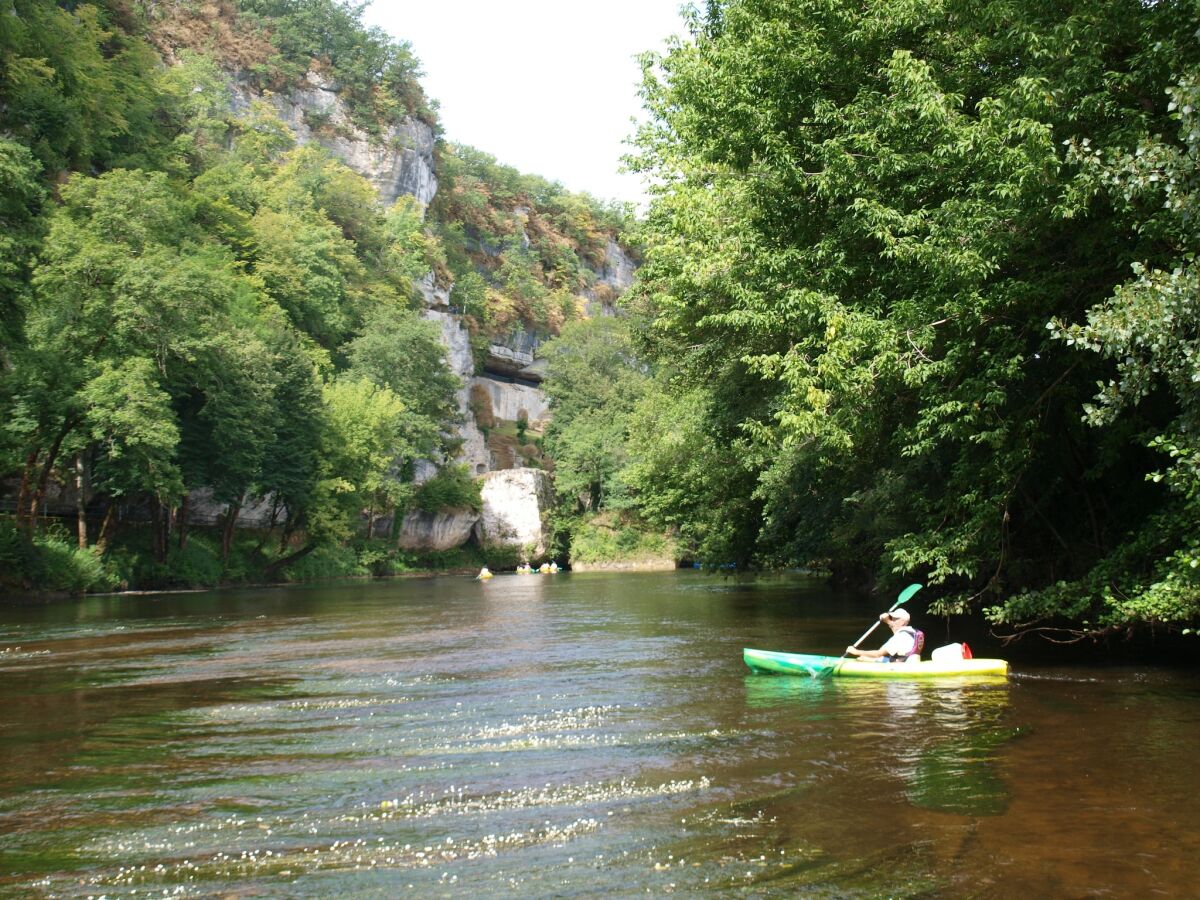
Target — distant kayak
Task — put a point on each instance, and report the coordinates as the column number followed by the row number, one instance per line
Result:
column 808, row 664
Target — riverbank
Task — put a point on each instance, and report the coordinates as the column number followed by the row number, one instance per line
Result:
column 653, row 564
column 49, row 565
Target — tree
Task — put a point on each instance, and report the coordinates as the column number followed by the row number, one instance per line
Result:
column 593, row 382
column 362, row 424
column 118, row 278
column 862, row 224
column 21, row 196
column 1150, row 329
column 128, row 419
column 78, row 91
column 310, row 270
column 399, row 350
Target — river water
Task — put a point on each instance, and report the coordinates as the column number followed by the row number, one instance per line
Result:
column 567, row 735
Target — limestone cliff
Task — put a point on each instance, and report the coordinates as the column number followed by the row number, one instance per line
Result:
column 474, row 452
column 443, row 530
column 399, row 161
column 514, row 505
column 615, row 275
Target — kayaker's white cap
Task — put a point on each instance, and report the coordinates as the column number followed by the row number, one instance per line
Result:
column 900, row 615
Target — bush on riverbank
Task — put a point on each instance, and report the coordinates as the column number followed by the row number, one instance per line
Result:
column 49, row 562
column 612, row 537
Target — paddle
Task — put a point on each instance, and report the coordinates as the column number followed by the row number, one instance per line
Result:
column 905, row 596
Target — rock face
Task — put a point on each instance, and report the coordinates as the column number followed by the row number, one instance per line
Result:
column 474, row 452
column 615, row 276
column 513, row 503
column 204, row 510
column 510, row 399
column 399, row 161
column 443, row 530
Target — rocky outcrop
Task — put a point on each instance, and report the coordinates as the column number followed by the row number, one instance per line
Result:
column 204, row 510
column 398, row 161
column 612, row 280
column 510, row 399
column 514, row 501
column 426, row 531
column 474, row 452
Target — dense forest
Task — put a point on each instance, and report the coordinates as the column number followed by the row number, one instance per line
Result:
column 920, row 300
column 192, row 301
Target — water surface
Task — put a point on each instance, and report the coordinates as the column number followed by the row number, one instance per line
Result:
column 565, row 735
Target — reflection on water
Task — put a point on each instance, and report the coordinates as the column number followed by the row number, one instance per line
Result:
column 939, row 739
column 575, row 734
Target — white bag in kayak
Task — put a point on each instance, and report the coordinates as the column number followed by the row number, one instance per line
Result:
column 948, row 653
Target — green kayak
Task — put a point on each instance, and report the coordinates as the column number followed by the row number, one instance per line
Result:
column 808, row 664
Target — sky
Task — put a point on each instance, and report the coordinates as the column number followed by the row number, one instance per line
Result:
column 546, row 86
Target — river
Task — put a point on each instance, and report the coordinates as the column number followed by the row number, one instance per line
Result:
column 566, row 735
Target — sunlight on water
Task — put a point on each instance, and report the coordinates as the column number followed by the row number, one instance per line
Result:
column 585, row 735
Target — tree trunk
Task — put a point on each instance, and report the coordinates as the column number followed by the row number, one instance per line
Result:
column 80, row 503
column 23, row 491
column 108, row 528
column 270, row 524
column 275, row 567
column 156, row 531
column 370, row 521
column 48, row 467
column 183, row 520
column 231, row 516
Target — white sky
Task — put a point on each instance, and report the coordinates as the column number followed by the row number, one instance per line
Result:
column 546, row 86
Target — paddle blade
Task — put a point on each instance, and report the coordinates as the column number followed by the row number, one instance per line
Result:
column 906, row 594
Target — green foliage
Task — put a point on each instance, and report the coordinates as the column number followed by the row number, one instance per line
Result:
column 64, row 566
column 605, row 539
column 1149, row 328
column 593, row 381
column 200, row 563
column 689, row 478
column 327, row 562
column 468, row 558
column 376, row 73
column 49, row 562
column 867, row 215
column 358, row 445
column 452, row 488
column 399, row 350
column 21, row 197
column 78, row 90
column 129, row 419
column 518, row 246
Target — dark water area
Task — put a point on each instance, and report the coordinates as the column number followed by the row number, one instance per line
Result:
column 567, row 735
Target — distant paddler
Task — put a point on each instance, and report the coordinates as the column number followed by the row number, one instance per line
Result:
column 483, row 575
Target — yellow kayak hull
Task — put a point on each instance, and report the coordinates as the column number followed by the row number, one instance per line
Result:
column 808, row 664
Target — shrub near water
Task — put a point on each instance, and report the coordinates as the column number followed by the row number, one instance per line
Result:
column 50, row 561
column 609, row 538
column 452, row 488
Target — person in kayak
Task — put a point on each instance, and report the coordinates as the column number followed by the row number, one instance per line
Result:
column 906, row 642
